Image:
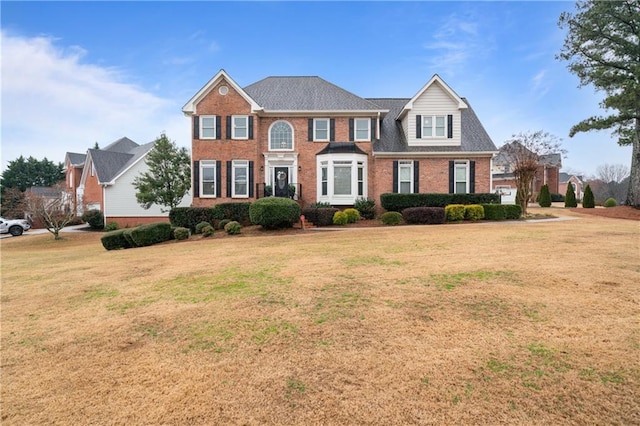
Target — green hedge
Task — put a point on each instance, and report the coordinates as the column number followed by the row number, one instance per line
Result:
column 399, row 202
column 493, row 211
column 94, row 218
column 473, row 212
column 152, row 233
column 512, row 211
column 274, row 212
column 237, row 212
column 189, row 217
column 115, row 240
column 319, row 216
column 424, row 215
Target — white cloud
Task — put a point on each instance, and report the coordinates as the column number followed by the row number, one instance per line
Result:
column 53, row 102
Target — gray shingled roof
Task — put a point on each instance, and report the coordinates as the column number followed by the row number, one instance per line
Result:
column 305, row 94
column 76, row 159
column 121, row 145
column 474, row 137
column 111, row 163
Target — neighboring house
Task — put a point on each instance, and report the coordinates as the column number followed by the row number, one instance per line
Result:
column 106, row 182
column 308, row 139
column 48, row 195
column 74, row 164
column 577, row 182
column 548, row 172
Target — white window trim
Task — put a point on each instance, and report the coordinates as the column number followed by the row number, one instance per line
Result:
column 235, row 165
column 202, row 117
column 465, row 164
column 234, row 127
column 207, row 164
column 328, row 161
column 315, row 135
column 408, row 164
column 433, row 127
column 355, row 129
column 293, row 136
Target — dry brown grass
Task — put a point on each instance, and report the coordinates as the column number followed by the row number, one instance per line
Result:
column 510, row 323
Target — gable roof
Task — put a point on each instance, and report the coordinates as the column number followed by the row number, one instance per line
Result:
column 75, row 159
column 121, row 145
column 190, row 107
column 110, row 163
column 434, row 80
column 306, row 94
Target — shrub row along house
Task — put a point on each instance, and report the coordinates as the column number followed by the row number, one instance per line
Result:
column 310, row 140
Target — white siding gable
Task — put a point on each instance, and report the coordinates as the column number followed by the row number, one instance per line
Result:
column 120, row 198
column 434, row 101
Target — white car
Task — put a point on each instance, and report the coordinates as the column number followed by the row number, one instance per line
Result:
column 14, row 227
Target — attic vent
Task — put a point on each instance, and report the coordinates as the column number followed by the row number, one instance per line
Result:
column 223, row 90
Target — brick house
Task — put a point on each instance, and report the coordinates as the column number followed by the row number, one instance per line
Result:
column 577, row 182
column 308, row 139
column 102, row 179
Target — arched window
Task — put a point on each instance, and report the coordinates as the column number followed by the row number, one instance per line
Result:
column 281, row 136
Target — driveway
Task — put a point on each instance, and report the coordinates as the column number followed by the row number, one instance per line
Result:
column 74, row 228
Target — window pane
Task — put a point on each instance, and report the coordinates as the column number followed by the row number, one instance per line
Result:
column 208, row 173
column 362, row 129
column 427, row 125
column 440, row 126
column 324, row 188
column 342, row 180
column 461, row 187
column 322, row 129
column 208, row 188
column 281, row 136
column 208, row 127
column 461, row 174
column 405, row 187
column 405, row 173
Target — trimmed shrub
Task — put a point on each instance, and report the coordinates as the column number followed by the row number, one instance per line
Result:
column 391, row 218
column 201, row 225
column 94, row 218
column 570, row 197
column 115, row 240
column 352, row 214
column 152, row 233
column 512, row 211
column 274, row 212
column 473, row 212
column 588, row 201
column 340, row 218
column 366, row 207
column 319, row 216
column 238, row 212
column 111, row 226
column 398, row 202
column 493, row 211
column 544, row 200
column 180, row 233
column 223, row 223
column 207, row 231
column 320, row 205
column 424, row 215
column 557, row 198
column 232, row 228
column 189, row 217
column 610, row 202
column 127, row 236
column 454, row 212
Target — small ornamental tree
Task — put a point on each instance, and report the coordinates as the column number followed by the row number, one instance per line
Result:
column 588, row 200
column 570, row 197
column 545, row 196
column 53, row 210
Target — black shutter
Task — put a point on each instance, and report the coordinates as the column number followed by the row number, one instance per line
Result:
column 351, row 131
column 395, row 177
column 251, row 179
column 218, row 127
column 250, row 127
column 229, row 177
column 418, row 127
column 472, row 177
column 451, row 176
column 218, row 178
column 196, row 179
column 449, row 126
column 310, row 130
column 228, row 127
column 196, row 127
column 373, row 129
column 332, row 130
column 416, row 177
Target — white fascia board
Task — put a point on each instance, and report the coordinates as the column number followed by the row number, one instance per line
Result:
column 435, row 154
column 445, row 86
column 87, row 169
column 323, row 113
column 190, row 107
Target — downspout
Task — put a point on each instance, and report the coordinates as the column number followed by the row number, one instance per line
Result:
column 104, row 203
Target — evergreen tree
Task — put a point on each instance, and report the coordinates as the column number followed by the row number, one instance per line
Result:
column 588, row 200
column 168, row 179
column 603, row 49
column 545, row 196
column 24, row 173
column 570, row 197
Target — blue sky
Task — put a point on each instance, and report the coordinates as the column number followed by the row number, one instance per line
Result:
column 76, row 73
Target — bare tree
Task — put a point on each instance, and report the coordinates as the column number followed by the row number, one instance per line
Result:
column 612, row 172
column 523, row 152
column 52, row 208
column 614, row 182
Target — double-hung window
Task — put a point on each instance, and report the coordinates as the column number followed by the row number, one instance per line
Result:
column 362, row 127
column 405, row 177
column 320, row 129
column 207, row 178
column 207, row 127
column 240, row 178
column 461, row 177
column 240, row 127
column 434, row 126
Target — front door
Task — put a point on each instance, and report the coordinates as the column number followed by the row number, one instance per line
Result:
column 281, row 182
